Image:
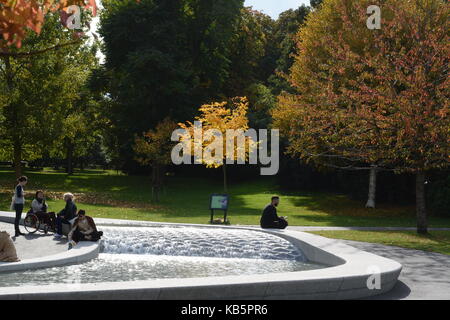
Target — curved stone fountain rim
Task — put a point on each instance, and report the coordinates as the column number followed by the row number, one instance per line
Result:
column 83, row 252
column 346, row 278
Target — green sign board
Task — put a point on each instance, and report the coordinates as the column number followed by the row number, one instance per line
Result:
column 219, row 202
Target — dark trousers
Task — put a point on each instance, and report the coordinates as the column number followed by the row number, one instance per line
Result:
column 49, row 218
column 279, row 224
column 19, row 208
column 59, row 221
column 78, row 236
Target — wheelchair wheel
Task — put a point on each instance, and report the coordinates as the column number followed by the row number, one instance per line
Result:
column 31, row 223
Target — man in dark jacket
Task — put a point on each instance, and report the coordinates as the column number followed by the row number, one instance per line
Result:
column 66, row 214
column 270, row 219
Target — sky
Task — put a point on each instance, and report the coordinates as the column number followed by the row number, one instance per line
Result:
column 274, row 7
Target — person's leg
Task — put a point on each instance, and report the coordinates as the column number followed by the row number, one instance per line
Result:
column 19, row 208
column 283, row 223
column 41, row 216
column 280, row 224
column 96, row 235
column 59, row 225
column 66, row 222
column 272, row 225
column 52, row 218
column 76, row 236
column 265, row 226
column 44, row 217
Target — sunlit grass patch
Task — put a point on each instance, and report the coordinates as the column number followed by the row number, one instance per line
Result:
column 436, row 241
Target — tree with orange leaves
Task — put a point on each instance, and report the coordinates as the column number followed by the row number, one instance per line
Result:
column 372, row 97
column 16, row 16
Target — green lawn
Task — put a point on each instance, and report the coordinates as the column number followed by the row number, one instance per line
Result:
column 436, row 241
column 108, row 194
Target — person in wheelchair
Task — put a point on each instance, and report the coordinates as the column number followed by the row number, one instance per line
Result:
column 39, row 208
column 83, row 229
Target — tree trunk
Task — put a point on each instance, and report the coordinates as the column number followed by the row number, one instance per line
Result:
column 422, row 225
column 224, row 168
column 17, row 144
column 156, row 184
column 70, row 158
column 17, row 158
column 372, row 188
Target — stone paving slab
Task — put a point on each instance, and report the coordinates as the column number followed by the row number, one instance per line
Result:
column 35, row 245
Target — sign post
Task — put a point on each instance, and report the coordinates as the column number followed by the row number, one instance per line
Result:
column 219, row 202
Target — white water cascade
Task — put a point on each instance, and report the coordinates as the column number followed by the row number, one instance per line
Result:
column 198, row 242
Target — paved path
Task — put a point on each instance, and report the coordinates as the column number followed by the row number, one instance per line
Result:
column 34, row 245
column 425, row 275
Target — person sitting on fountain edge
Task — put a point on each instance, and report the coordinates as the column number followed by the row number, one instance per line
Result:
column 83, row 229
column 270, row 219
column 66, row 214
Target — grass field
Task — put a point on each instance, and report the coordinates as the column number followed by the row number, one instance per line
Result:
column 108, row 194
column 436, row 241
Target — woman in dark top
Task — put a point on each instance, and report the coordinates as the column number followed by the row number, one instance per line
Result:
column 19, row 201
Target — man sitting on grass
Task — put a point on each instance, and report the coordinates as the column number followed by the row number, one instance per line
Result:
column 270, row 219
column 83, row 229
column 65, row 215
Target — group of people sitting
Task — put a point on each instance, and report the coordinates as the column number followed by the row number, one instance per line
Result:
column 82, row 227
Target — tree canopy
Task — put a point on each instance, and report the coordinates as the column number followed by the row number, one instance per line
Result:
column 371, row 96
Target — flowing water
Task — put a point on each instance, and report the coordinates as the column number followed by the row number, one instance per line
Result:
column 145, row 253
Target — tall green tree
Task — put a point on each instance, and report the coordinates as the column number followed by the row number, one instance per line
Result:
column 163, row 58
column 286, row 28
column 248, row 50
column 37, row 83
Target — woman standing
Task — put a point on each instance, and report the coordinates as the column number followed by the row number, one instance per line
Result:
column 19, row 201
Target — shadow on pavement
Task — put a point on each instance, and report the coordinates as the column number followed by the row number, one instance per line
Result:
column 399, row 291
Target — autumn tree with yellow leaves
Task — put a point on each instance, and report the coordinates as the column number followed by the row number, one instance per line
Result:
column 223, row 139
